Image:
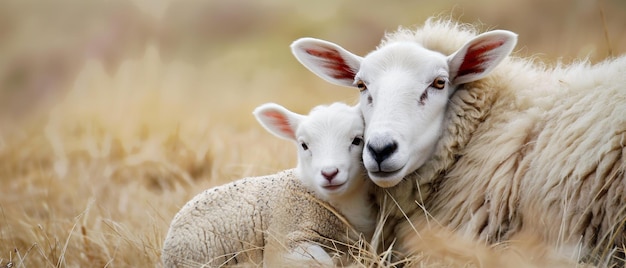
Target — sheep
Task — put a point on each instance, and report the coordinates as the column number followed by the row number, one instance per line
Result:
column 461, row 134
column 324, row 203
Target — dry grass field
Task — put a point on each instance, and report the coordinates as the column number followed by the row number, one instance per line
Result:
column 114, row 113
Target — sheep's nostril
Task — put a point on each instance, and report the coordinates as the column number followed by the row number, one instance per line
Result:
column 330, row 173
column 382, row 152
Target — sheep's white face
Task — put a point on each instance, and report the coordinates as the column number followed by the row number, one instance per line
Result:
column 330, row 144
column 404, row 93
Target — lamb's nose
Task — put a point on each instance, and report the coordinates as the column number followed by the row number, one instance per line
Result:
column 330, row 173
column 380, row 152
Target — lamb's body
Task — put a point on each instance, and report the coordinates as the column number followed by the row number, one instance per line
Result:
column 310, row 215
column 194, row 237
column 524, row 148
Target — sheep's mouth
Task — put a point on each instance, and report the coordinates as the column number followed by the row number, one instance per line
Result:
column 386, row 179
column 385, row 174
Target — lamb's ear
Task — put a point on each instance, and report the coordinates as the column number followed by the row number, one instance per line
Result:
column 278, row 120
column 478, row 57
column 327, row 60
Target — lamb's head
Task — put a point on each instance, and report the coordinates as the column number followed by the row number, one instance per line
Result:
column 329, row 141
column 404, row 93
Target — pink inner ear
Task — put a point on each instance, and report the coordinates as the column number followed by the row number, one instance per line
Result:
column 281, row 122
column 477, row 55
column 333, row 61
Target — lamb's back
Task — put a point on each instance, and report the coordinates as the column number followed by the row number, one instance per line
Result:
column 224, row 224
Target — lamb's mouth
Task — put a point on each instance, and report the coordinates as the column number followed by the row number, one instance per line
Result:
column 332, row 187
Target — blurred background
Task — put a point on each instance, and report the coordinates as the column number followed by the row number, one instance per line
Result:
column 114, row 113
column 240, row 47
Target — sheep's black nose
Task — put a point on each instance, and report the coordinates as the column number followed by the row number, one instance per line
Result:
column 382, row 151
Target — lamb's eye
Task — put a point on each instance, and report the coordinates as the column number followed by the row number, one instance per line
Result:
column 361, row 85
column 357, row 141
column 439, row 83
column 304, row 146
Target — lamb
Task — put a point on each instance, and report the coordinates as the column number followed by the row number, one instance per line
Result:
column 323, row 204
column 463, row 135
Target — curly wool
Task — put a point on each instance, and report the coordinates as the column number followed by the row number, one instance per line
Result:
column 526, row 147
column 231, row 224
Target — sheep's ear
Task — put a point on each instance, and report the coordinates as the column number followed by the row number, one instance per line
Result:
column 278, row 120
column 478, row 57
column 327, row 60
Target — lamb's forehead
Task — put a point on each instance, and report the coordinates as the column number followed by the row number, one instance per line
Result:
column 335, row 111
column 337, row 116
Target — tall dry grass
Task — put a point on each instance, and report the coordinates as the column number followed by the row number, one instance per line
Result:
column 114, row 113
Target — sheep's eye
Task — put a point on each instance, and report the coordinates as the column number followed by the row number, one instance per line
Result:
column 439, row 83
column 357, row 141
column 304, row 146
column 361, row 85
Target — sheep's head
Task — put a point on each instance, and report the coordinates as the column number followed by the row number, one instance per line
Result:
column 329, row 141
column 404, row 93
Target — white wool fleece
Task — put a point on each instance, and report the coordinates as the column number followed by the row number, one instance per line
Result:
column 231, row 224
column 526, row 147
